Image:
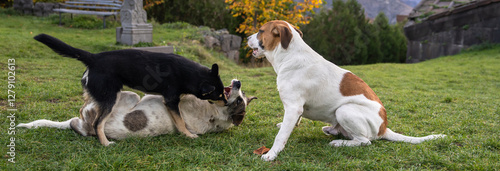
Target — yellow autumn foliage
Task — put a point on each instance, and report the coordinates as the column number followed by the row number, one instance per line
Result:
column 257, row 12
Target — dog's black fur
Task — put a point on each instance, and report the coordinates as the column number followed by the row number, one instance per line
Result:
column 167, row 74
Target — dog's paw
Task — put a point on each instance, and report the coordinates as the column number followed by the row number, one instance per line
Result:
column 338, row 143
column 193, row 136
column 269, row 156
column 109, row 143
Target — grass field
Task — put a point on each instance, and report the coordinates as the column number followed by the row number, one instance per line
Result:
column 455, row 95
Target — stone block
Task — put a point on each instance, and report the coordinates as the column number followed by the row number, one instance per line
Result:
column 38, row 9
column 211, row 42
column 18, row 5
column 48, row 8
column 230, row 42
column 134, row 28
column 134, row 35
column 233, row 55
column 225, row 43
column 235, row 42
column 28, row 7
column 158, row 49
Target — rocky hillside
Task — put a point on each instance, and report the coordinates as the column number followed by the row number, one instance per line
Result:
column 391, row 8
column 411, row 3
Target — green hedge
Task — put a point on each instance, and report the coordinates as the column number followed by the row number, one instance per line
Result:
column 344, row 36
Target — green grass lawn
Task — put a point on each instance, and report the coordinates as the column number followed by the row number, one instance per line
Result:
column 455, row 95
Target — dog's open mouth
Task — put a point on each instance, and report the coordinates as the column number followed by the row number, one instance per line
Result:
column 227, row 90
column 255, row 52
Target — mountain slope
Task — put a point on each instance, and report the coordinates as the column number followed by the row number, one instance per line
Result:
column 391, row 8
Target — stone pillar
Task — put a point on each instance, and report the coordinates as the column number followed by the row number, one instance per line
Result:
column 134, row 28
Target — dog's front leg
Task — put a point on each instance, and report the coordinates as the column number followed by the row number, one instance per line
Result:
column 292, row 115
column 297, row 124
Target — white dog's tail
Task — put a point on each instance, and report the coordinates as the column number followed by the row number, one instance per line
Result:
column 392, row 136
column 47, row 123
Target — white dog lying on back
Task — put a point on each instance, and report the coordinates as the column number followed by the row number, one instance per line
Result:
column 132, row 116
column 315, row 88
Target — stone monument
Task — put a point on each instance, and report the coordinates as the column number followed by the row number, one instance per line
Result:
column 134, row 27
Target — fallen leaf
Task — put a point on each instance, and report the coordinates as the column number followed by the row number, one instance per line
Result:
column 262, row 150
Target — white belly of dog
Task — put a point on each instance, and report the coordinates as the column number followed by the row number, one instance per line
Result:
column 154, row 111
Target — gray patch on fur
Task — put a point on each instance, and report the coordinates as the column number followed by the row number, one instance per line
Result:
column 135, row 120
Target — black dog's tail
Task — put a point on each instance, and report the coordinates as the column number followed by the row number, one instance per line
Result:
column 64, row 49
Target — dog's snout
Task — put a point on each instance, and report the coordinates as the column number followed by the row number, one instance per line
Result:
column 237, row 84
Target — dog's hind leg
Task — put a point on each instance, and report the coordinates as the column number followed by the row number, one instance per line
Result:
column 103, row 90
column 332, row 130
column 100, row 122
column 180, row 124
column 173, row 109
column 47, row 123
column 82, row 127
column 104, row 107
column 358, row 124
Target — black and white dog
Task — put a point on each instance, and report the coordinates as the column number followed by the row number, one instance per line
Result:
column 169, row 75
column 132, row 116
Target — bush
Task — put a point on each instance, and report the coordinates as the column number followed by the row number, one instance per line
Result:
column 211, row 13
column 392, row 41
column 344, row 36
column 6, row 4
column 9, row 11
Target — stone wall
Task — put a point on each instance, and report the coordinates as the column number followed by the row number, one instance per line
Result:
column 453, row 31
column 227, row 43
column 39, row 9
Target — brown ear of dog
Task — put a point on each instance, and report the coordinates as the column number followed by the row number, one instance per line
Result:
column 282, row 30
column 284, row 33
column 275, row 32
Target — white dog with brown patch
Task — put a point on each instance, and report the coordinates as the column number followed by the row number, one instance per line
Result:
column 317, row 89
column 132, row 116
